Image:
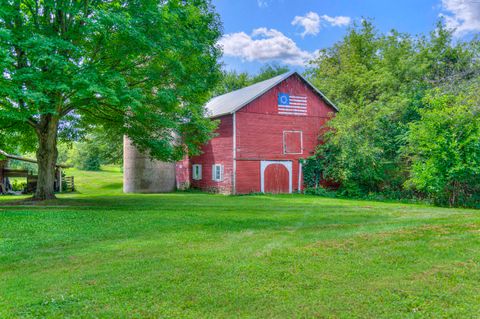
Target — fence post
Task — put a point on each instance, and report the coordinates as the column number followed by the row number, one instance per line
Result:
column 59, row 179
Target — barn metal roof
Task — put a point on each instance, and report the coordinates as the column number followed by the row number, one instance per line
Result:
column 231, row 102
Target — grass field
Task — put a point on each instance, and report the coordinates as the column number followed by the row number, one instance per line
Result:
column 103, row 254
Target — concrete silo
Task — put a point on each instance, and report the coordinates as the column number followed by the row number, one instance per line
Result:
column 141, row 174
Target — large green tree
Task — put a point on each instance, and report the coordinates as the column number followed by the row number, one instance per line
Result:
column 366, row 74
column 233, row 80
column 443, row 147
column 143, row 68
column 379, row 81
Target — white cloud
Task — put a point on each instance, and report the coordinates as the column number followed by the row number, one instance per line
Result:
column 338, row 21
column 312, row 22
column 263, row 3
column 463, row 15
column 264, row 45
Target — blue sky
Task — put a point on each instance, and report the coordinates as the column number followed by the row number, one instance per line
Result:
column 290, row 31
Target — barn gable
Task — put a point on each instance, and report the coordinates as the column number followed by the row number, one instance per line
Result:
column 265, row 130
column 230, row 103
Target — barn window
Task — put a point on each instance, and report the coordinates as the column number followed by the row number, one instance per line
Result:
column 197, row 171
column 292, row 142
column 217, row 172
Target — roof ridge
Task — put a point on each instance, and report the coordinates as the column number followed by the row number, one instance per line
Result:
column 257, row 83
column 231, row 102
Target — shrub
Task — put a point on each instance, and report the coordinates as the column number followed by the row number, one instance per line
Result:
column 88, row 157
column 444, row 148
column 18, row 185
column 320, row 191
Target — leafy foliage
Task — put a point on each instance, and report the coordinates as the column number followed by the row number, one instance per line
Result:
column 140, row 68
column 445, row 149
column 88, row 157
column 380, row 83
column 95, row 149
column 312, row 169
column 231, row 80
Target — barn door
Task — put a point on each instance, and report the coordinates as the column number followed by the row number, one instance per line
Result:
column 276, row 176
column 276, row 179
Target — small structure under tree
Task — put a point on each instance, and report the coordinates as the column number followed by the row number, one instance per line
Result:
column 61, row 182
column 137, row 68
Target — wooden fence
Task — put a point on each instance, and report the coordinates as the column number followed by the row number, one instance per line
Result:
column 69, row 183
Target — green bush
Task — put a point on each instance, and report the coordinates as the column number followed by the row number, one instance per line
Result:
column 88, row 157
column 18, row 185
column 444, row 147
column 312, row 169
column 409, row 119
column 320, row 191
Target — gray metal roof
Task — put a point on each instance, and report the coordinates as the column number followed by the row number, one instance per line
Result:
column 231, row 102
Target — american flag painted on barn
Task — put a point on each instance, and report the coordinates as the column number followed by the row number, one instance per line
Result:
column 292, row 104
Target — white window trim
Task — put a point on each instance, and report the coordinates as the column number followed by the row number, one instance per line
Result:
column 214, row 171
column 194, row 175
column 285, row 146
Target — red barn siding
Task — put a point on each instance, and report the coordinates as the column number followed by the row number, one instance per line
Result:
column 292, row 141
column 259, row 132
column 267, row 103
column 260, row 136
column 248, row 177
column 219, row 150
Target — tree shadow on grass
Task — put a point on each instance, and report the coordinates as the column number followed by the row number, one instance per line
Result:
column 113, row 186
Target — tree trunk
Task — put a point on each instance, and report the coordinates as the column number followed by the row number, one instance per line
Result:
column 46, row 156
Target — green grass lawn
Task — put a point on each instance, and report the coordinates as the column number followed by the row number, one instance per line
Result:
column 100, row 253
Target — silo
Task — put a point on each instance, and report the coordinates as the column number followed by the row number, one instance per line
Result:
column 141, row 174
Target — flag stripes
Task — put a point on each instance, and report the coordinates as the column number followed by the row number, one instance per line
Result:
column 295, row 105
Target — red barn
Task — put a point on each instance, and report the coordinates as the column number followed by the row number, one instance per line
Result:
column 264, row 131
